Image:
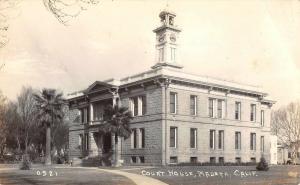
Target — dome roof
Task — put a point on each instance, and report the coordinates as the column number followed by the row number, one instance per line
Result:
column 165, row 12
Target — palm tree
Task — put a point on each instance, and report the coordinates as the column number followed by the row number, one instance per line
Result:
column 50, row 111
column 117, row 121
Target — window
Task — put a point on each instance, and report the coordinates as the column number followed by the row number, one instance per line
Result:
column 237, row 140
column 133, row 159
column 144, row 105
column 221, row 139
column 80, row 142
column 253, row 160
column 193, row 159
column 221, row 160
column 252, row 141
column 211, row 107
column 161, row 54
column 193, row 138
column 212, row 134
column 173, row 137
column 220, row 108
column 135, row 106
column 262, row 118
column 212, row 159
column 86, row 139
column 238, row 110
column 173, row 54
column 134, row 138
column 173, row 102
column 173, row 159
column 253, row 112
column 138, row 105
column 193, row 105
column 262, row 144
column 84, row 115
column 98, row 112
column 142, row 138
column 238, row 160
column 142, row 159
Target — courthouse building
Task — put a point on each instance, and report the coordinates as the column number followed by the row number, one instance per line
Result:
column 177, row 117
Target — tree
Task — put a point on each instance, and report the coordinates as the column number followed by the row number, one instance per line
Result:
column 14, row 126
column 3, row 126
column 26, row 108
column 5, row 8
column 60, row 136
column 50, row 105
column 117, row 122
column 286, row 125
column 65, row 10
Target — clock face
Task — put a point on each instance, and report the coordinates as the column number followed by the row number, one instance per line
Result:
column 172, row 38
column 161, row 38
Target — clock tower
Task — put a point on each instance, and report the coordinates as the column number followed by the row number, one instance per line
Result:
column 167, row 41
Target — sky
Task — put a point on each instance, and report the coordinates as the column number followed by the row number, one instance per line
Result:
column 247, row 41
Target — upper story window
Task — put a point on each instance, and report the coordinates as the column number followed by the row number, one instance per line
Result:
column 173, row 137
column 138, row 105
column 173, row 54
column 238, row 141
column 173, row 102
column 252, row 141
column 84, row 115
column 253, row 112
column 193, row 105
column 262, row 118
column 238, row 110
column 211, row 107
column 216, row 108
column 161, row 54
column 220, row 108
column 98, row 112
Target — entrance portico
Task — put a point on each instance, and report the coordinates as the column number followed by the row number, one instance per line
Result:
column 90, row 107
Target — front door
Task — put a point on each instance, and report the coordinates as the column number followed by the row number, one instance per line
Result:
column 107, row 143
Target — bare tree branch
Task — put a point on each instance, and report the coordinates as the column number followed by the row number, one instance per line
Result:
column 65, row 10
column 5, row 8
column 286, row 125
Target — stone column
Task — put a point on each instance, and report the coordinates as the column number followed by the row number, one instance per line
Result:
column 91, row 113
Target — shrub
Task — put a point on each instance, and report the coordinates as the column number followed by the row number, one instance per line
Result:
column 25, row 163
column 262, row 165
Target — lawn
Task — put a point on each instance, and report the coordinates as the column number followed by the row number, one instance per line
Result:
column 173, row 175
column 224, row 175
column 59, row 176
